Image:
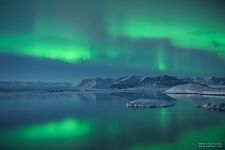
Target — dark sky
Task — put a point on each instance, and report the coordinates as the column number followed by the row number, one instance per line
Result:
column 68, row 40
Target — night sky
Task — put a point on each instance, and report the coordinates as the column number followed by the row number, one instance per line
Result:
column 68, row 40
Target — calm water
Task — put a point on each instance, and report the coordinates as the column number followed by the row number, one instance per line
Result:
column 101, row 121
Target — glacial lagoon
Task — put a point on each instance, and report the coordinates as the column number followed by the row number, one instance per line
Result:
column 102, row 121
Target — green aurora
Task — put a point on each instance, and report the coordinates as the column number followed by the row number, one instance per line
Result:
column 158, row 36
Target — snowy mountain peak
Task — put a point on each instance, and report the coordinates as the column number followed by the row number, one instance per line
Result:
column 99, row 83
column 131, row 82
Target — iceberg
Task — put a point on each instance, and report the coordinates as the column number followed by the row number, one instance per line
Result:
column 190, row 88
column 194, row 88
column 149, row 103
column 213, row 106
column 214, row 91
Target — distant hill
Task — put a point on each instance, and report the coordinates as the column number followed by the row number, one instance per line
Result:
column 34, row 86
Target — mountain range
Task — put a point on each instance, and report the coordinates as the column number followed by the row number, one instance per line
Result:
column 34, row 86
column 145, row 82
column 125, row 82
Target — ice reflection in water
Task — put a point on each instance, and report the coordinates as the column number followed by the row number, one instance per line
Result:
column 102, row 121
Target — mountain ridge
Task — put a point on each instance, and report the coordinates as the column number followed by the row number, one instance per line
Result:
column 126, row 82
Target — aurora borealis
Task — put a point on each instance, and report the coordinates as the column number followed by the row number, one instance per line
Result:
column 72, row 39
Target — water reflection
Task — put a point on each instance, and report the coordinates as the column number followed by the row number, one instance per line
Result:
column 190, row 140
column 63, row 129
column 102, row 121
column 208, row 102
column 124, row 96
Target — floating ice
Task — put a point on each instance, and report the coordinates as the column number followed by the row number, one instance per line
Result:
column 149, row 103
column 213, row 106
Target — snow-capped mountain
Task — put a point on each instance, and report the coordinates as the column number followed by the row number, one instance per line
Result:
column 217, row 81
column 87, row 83
column 162, row 81
column 195, row 80
column 98, row 83
column 127, row 82
column 130, row 82
column 209, row 80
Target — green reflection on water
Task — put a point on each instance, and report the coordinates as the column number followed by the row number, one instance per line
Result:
column 190, row 140
column 64, row 129
column 113, row 128
column 163, row 117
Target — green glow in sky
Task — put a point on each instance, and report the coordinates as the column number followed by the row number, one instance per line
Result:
column 27, row 45
column 161, row 60
column 194, row 27
column 151, row 36
column 184, row 36
column 67, row 128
